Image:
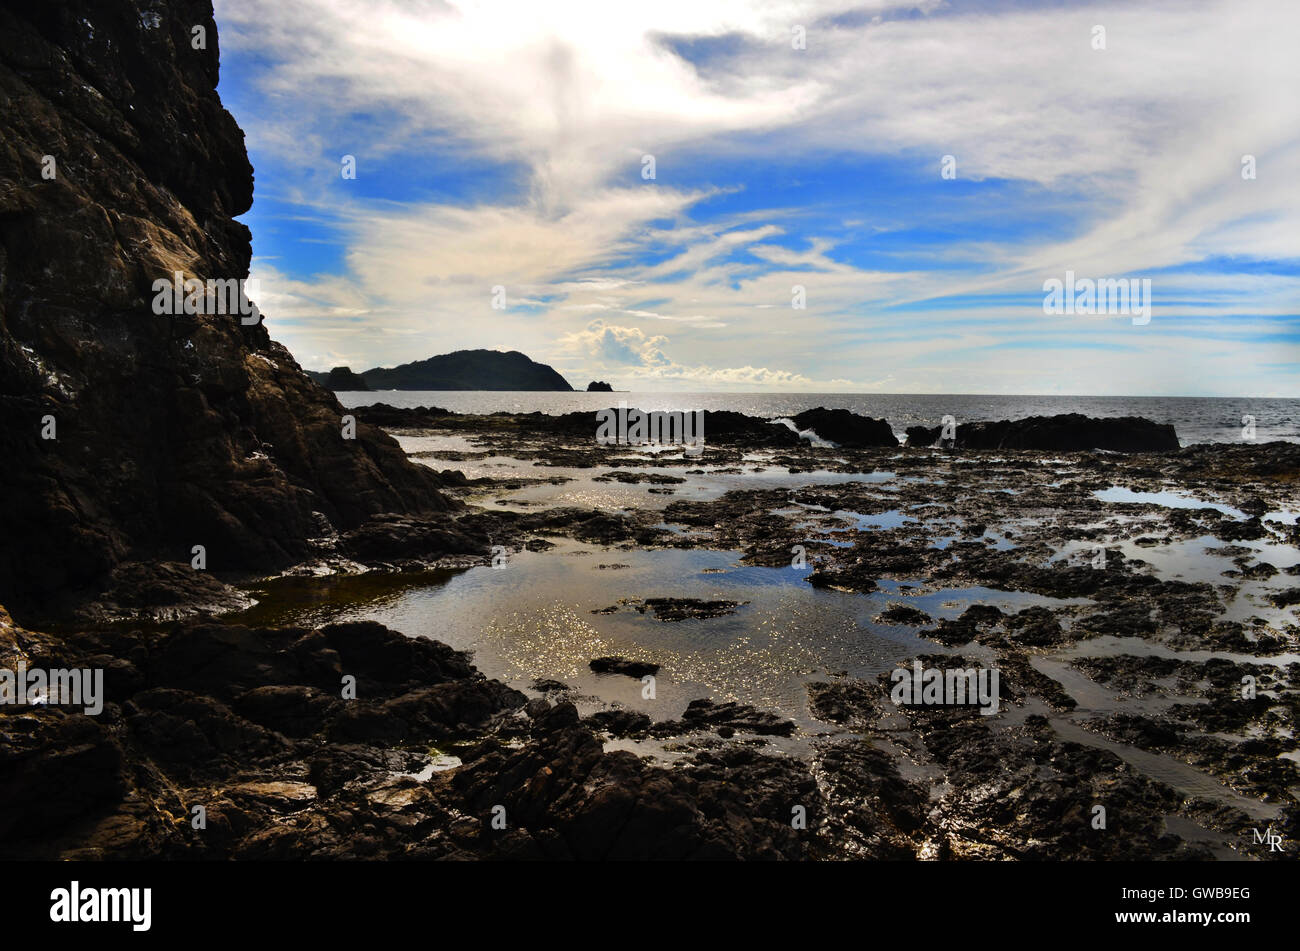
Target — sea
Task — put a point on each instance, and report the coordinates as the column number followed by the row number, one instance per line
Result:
column 1196, row 419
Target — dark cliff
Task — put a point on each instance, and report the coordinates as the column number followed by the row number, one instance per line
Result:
column 169, row 431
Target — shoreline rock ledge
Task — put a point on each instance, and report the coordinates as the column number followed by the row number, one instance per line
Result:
column 1067, row 432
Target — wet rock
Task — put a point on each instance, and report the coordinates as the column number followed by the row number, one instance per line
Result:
column 161, row 591
column 973, row 625
column 54, row 769
column 195, row 736
column 396, row 537
column 847, row 429
column 295, row 710
column 740, row 717
column 619, row 722
column 1252, row 529
column 621, row 665
column 903, row 614
column 871, row 810
column 680, row 609
column 1285, row 599
column 564, row 797
column 635, row 478
column 1070, row 432
column 854, row 702
column 549, row 686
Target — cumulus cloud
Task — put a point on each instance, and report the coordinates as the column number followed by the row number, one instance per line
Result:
column 610, row 344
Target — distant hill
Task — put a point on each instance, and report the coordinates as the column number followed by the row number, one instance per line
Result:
column 462, row 370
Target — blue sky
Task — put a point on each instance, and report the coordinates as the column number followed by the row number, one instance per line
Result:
column 503, row 144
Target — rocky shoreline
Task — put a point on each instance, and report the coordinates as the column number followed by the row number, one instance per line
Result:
column 433, row 760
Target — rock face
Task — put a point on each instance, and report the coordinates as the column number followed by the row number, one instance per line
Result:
column 342, row 378
column 599, row 386
column 1070, row 432
column 130, row 435
column 253, row 724
column 469, row 370
column 847, row 429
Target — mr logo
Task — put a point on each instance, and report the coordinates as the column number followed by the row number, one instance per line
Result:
column 1273, row 839
column 74, row 904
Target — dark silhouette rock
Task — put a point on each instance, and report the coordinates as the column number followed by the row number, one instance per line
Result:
column 621, row 665
column 469, row 370
column 722, row 427
column 343, row 379
column 847, row 429
column 1069, row 432
column 599, row 386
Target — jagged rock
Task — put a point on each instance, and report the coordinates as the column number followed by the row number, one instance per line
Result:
column 1068, row 432
column 722, row 427
column 54, row 768
column 621, row 665
column 847, row 429
column 388, row 537
column 619, row 722
column 342, row 378
column 902, row 614
column 736, row 717
column 845, row 701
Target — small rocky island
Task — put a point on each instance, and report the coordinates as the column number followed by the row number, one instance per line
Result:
column 459, row 370
column 342, row 379
column 599, row 386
